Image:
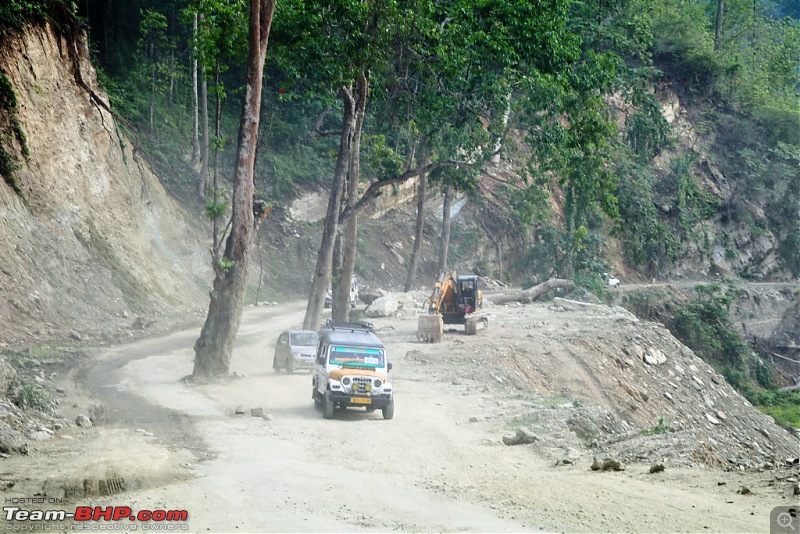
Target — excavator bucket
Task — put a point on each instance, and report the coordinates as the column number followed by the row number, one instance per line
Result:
column 430, row 328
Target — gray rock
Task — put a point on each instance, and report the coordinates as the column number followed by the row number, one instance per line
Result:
column 597, row 465
column 382, row 307
column 267, row 417
column 656, row 468
column 523, row 436
column 711, row 419
column 474, row 419
column 654, row 357
column 257, row 412
column 83, row 421
column 239, row 410
column 39, row 435
column 612, row 464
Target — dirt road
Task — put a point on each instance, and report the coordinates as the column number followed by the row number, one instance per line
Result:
column 178, row 447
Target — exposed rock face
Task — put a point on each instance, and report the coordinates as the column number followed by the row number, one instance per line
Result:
column 87, row 214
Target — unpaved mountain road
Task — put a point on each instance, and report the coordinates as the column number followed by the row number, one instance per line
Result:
column 179, row 447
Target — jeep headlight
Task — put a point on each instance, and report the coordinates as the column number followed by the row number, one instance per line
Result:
column 377, row 383
column 346, row 381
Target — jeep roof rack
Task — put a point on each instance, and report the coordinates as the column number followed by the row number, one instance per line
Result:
column 350, row 325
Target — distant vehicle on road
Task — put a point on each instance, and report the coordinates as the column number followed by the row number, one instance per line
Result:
column 353, row 294
column 295, row 349
column 611, row 280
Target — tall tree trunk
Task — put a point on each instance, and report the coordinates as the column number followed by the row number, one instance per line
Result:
column 341, row 310
column 718, row 33
column 336, row 269
column 444, row 243
column 205, row 146
column 322, row 271
column 214, row 348
column 195, row 101
column 413, row 261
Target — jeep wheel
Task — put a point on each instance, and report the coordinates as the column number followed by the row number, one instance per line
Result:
column 317, row 399
column 290, row 365
column 388, row 411
column 275, row 366
column 328, row 406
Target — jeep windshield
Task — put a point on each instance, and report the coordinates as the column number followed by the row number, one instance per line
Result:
column 304, row 339
column 356, row 357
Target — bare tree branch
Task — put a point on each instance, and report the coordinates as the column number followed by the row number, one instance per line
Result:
column 318, row 131
column 374, row 190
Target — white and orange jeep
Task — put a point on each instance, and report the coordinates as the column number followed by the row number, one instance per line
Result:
column 352, row 370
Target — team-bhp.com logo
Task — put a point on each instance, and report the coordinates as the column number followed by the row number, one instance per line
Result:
column 157, row 519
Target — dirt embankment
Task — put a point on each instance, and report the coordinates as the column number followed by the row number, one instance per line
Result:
column 91, row 240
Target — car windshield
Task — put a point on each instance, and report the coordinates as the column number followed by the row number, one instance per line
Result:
column 304, row 339
column 357, row 356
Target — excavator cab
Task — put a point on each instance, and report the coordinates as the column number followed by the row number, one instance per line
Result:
column 468, row 294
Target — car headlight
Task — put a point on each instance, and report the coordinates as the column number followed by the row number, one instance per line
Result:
column 346, row 381
column 377, row 383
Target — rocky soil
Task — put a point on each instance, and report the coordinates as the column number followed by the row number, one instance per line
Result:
column 598, row 402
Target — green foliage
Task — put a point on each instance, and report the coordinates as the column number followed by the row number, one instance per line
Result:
column 594, row 282
column 225, row 264
column 691, row 202
column 647, row 239
column 660, row 428
column 648, row 132
column 684, row 46
column 789, row 251
column 783, row 406
column 15, row 14
column 704, row 325
column 763, row 374
column 217, row 204
column 31, row 395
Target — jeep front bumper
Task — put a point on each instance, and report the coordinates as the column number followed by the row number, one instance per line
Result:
column 378, row 401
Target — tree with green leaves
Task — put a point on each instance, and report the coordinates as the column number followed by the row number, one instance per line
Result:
column 214, row 348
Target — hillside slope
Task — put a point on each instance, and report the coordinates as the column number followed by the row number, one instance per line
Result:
column 90, row 237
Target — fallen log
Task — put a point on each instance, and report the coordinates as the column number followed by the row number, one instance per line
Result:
column 528, row 295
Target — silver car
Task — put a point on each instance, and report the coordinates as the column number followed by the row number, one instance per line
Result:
column 295, row 349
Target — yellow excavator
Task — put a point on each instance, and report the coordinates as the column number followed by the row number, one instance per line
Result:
column 455, row 300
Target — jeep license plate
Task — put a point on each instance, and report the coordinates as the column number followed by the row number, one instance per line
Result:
column 360, row 400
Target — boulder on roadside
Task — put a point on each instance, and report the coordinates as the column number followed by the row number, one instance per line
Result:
column 368, row 296
column 523, row 436
column 383, row 306
column 83, row 421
